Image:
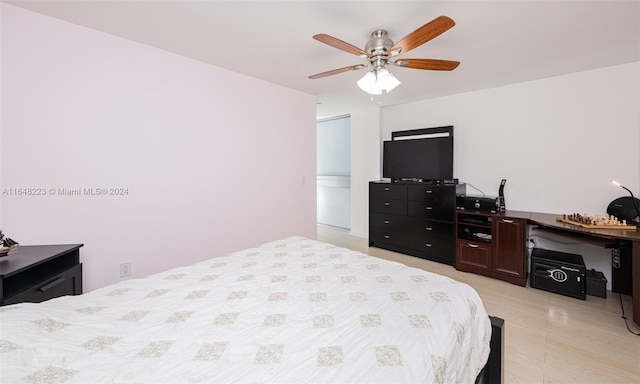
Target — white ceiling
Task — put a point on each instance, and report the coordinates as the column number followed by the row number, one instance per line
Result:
column 497, row 42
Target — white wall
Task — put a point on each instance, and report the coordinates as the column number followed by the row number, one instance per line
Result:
column 557, row 141
column 204, row 153
column 365, row 165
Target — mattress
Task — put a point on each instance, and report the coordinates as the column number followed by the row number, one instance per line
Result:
column 290, row 311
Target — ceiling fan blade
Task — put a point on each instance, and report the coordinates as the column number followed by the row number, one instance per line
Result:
column 337, row 43
column 336, row 71
column 429, row 31
column 430, row 64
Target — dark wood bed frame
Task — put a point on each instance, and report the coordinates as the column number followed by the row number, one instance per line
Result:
column 493, row 371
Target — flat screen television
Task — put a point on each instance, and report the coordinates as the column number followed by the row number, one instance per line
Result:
column 425, row 158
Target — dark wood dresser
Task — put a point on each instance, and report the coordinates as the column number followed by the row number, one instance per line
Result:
column 35, row 273
column 414, row 218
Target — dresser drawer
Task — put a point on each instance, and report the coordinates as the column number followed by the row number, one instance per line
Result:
column 393, row 206
column 432, row 237
column 387, row 191
column 473, row 256
column 429, row 193
column 68, row 282
column 430, row 210
column 388, row 228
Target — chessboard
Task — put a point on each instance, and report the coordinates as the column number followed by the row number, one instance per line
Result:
column 595, row 222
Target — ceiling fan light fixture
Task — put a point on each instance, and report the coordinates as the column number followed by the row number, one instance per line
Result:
column 369, row 84
column 386, row 80
column 376, row 82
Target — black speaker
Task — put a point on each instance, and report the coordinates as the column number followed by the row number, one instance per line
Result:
column 625, row 208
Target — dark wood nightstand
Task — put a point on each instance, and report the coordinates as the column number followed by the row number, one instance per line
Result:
column 35, row 273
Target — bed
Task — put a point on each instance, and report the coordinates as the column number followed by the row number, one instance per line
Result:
column 294, row 310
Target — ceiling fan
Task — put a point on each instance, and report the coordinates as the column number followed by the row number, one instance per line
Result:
column 381, row 50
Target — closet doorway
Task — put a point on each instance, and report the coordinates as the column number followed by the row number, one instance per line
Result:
column 334, row 171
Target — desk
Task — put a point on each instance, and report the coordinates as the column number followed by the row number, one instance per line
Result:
column 623, row 280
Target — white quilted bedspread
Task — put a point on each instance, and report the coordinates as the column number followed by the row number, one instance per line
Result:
column 290, row 311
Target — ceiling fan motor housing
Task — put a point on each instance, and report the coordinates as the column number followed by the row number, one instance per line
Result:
column 378, row 46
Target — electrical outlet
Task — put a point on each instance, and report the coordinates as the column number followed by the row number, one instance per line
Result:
column 615, row 257
column 125, row 269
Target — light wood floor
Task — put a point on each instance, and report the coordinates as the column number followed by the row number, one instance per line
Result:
column 549, row 338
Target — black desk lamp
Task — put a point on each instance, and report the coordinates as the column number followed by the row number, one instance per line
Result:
column 625, row 208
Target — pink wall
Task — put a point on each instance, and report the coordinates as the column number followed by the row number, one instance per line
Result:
column 213, row 160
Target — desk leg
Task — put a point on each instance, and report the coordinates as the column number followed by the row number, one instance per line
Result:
column 635, row 264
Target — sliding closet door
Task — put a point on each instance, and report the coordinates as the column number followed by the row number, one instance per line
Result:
column 334, row 172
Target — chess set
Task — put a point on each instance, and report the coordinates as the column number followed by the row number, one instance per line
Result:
column 596, row 221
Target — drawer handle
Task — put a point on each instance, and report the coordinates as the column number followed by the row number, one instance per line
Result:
column 428, row 245
column 507, row 221
column 387, row 203
column 428, row 191
column 387, row 189
column 52, row 284
column 473, row 245
column 387, row 236
column 429, row 229
column 428, row 208
column 386, row 221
